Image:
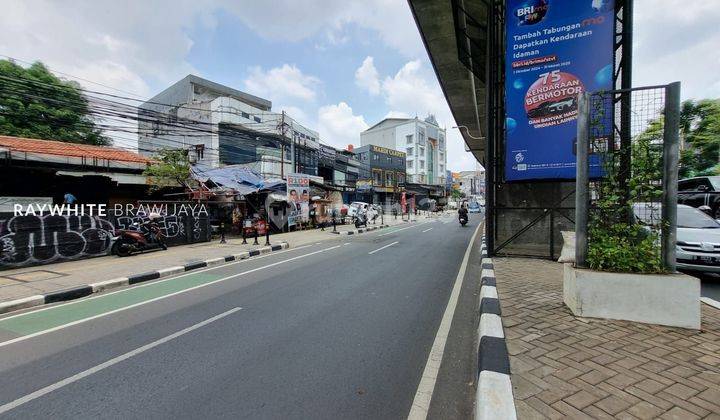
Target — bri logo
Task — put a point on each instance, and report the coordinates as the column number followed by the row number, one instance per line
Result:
column 531, row 12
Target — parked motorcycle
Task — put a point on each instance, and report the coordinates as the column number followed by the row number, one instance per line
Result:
column 143, row 237
column 361, row 219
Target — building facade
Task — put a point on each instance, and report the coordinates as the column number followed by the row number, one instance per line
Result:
column 423, row 142
column 384, row 174
column 221, row 126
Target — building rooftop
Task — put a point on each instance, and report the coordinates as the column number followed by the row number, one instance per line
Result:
column 221, row 90
column 59, row 148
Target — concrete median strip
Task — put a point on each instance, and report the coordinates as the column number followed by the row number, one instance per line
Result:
column 102, row 286
column 494, row 398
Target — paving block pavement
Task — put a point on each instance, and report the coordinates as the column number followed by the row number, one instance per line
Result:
column 568, row 367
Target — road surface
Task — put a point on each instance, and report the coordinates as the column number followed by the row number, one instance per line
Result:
column 338, row 329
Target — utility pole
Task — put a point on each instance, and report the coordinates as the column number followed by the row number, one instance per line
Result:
column 292, row 147
column 282, row 146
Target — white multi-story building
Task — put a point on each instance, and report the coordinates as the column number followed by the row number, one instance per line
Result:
column 220, row 126
column 423, row 142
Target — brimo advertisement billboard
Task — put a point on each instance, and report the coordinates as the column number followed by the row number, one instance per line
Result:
column 556, row 49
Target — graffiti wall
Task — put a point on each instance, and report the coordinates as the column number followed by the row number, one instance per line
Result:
column 33, row 240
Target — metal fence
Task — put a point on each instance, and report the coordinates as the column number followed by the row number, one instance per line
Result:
column 627, row 169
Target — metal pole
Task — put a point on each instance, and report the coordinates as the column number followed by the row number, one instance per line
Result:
column 671, row 141
column 292, row 147
column 582, row 197
column 267, row 232
column 626, row 105
column 490, row 137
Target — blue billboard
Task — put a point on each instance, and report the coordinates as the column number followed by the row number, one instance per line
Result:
column 556, row 49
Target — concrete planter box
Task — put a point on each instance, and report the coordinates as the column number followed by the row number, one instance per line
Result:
column 664, row 299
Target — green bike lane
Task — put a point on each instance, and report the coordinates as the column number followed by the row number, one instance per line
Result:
column 22, row 326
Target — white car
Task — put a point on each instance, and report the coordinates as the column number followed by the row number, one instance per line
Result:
column 698, row 239
column 355, row 206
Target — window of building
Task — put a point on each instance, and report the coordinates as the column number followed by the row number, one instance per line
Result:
column 401, row 179
column 389, row 181
column 245, row 115
column 409, row 139
column 409, row 164
column 376, row 157
column 422, row 151
column 377, row 177
column 422, row 164
column 257, row 119
column 410, row 151
column 442, row 168
column 421, row 138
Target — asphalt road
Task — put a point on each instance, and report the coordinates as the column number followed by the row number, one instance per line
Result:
column 710, row 287
column 339, row 329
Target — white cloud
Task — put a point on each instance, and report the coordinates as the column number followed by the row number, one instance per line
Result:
column 292, row 20
column 366, row 76
column 397, row 114
column 414, row 90
column 683, row 47
column 338, row 126
column 105, row 41
column 283, row 82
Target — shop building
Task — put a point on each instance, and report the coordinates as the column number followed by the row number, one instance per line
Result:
column 422, row 141
column 386, row 170
column 219, row 126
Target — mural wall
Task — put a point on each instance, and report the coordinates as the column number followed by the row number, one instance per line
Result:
column 33, row 240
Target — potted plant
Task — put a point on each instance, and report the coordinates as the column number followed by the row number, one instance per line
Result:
column 625, row 274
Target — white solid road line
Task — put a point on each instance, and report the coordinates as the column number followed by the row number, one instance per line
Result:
column 421, row 402
column 80, row 321
column 426, row 230
column 380, row 249
column 67, row 381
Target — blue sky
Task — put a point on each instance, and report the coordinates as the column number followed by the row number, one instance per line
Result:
column 336, row 66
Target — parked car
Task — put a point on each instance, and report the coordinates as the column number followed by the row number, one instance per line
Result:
column 355, row 206
column 701, row 191
column 698, row 237
column 473, row 207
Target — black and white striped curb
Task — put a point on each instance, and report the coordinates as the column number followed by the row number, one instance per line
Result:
column 359, row 231
column 88, row 289
column 494, row 398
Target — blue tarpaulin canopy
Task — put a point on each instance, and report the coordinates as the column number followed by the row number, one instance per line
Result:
column 238, row 178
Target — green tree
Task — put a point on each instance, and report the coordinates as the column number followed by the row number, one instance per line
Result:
column 700, row 128
column 170, row 169
column 35, row 103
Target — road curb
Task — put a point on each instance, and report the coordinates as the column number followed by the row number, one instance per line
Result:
column 494, row 397
column 359, row 231
column 101, row 286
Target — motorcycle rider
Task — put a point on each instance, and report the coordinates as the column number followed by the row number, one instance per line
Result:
column 463, row 211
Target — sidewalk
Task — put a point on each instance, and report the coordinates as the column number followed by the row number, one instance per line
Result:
column 42, row 279
column 563, row 366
